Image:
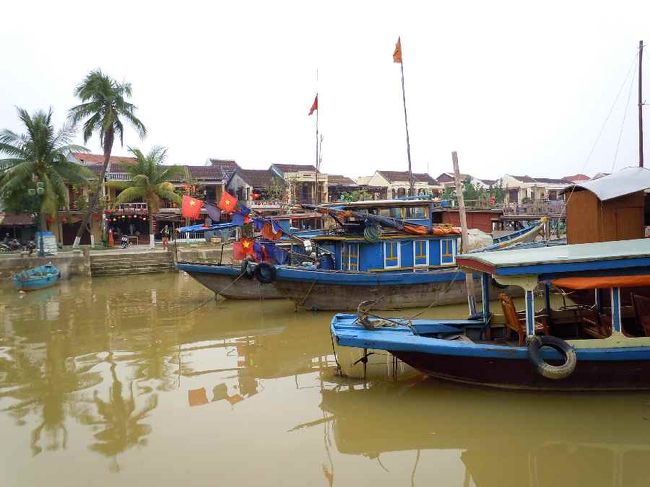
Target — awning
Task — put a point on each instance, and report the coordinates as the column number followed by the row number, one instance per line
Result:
column 605, row 282
column 16, row 219
column 203, row 228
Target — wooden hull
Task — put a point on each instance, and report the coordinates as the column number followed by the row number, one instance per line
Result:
column 590, row 375
column 333, row 297
column 225, row 281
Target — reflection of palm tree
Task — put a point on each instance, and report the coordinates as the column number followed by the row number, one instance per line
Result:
column 152, row 361
column 44, row 390
column 119, row 419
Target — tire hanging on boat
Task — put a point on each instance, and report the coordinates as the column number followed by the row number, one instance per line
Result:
column 246, row 269
column 545, row 369
column 265, row 273
column 372, row 233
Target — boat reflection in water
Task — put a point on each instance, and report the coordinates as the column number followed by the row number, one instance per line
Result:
column 503, row 439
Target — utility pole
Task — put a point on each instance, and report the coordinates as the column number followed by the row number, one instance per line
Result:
column 640, row 104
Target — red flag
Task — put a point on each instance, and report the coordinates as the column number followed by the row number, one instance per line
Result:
column 314, row 106
column 247, row 246
column 227, row 202
column 191, row 207
column 397, row 54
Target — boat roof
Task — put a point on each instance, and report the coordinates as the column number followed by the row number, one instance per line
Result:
column 626, row 181
column 630, row 255
column 384, row 203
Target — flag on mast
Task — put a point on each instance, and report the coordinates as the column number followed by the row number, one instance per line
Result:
column 314, row 106
column 397, row 53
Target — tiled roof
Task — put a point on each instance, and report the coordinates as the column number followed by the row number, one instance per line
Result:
column 257, row 178
column 99, row 158
column 338, row 180
column 551, row 181
column 489, row 182
column 226, row 167
column 295, row 167
column 211, row 173
column 576, row 178
column 448, row 177
column 112, row 168
column 393, row 176
column 16, row 219
column 524, row 179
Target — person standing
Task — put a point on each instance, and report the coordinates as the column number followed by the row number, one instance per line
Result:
column 165, row 237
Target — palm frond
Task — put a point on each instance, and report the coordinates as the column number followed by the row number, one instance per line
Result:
column 130, row 194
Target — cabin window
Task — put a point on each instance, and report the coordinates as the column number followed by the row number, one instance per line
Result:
column 420, row 253
column 353, row 257
column 447, row 251
column 391, row 254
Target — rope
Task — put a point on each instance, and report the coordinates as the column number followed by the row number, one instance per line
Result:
column 302, row 301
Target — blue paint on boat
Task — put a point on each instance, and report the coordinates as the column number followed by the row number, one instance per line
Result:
column 37, row 278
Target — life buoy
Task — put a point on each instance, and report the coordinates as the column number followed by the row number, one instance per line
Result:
column 547, row 370
column 246, row 269
column 265, row 273
column 372, row 233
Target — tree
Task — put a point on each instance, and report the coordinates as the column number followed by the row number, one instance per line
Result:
column 150, row 181
column 103, row 109
column 37, row 168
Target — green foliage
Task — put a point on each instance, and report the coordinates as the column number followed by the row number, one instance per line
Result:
column 150, row 181
column 276, row 190
column 38, row 158
column 358, row 195
column 498, row 193
column 448, row 193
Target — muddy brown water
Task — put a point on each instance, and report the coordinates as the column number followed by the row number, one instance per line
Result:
column 148, row 381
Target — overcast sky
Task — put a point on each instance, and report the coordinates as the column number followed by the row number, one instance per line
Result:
column 515, row 87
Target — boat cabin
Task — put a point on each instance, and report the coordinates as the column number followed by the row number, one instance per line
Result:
column 603, row 289
column 391, row 252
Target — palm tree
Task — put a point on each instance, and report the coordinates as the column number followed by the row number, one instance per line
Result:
column 150, row 181
column 103, row 108
column 38, row 162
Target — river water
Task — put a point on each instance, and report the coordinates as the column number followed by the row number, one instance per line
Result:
column 149, row 381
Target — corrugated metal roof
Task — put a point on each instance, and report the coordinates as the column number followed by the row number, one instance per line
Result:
column 626, row 181
column 562, row 254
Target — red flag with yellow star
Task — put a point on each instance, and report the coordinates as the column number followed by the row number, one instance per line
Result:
column 227, row 202
column 191, row 207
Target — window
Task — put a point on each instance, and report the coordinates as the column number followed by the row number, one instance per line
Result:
column 420, row 253
column 447, row 251
column 353, row 257
column 391, row 254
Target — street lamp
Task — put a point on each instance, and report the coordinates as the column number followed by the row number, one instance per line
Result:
column 39, row 190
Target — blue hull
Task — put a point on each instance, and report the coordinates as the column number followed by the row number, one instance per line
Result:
column 502, row 366
column 37, row 278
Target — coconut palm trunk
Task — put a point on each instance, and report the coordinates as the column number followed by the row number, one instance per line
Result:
column 152, row 242
column 94, row 200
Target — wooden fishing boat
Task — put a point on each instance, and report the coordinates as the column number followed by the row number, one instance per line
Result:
column 37, row 278
column 230, row 281
column 604, row 347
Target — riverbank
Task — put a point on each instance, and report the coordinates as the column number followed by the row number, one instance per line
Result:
column 133, row 260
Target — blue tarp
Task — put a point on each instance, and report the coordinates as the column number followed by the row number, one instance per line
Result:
column 203, row 228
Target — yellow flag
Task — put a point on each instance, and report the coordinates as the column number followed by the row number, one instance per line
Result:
column 397, row 54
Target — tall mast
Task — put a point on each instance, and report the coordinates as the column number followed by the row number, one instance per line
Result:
column 397, row 58
column 640, row 104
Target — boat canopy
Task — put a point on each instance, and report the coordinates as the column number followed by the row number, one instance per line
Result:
column 604, row 282
column 203, row 228
column 631, row 256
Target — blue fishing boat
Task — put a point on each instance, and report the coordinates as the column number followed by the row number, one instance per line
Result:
column 390, row 252
column 37, row 278
column 602, row 346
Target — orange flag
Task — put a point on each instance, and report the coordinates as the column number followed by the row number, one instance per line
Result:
column 191, row 207
column 314, row 106
column 397, row 54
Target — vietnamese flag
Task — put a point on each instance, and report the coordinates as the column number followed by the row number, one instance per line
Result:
column 191, row 207
column 227, row 202
column 314, row 106
column 247, row 246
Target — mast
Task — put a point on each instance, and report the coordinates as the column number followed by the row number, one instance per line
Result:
column 469, row 280
column 397, row 58
column 640, row 104
column 317, row 191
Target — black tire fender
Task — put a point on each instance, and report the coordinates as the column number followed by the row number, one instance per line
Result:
column 545, row 369
column 496, row 284
column 265, row 273
column 246, row 269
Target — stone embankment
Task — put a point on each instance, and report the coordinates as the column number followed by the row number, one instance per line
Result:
column 120, row 262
